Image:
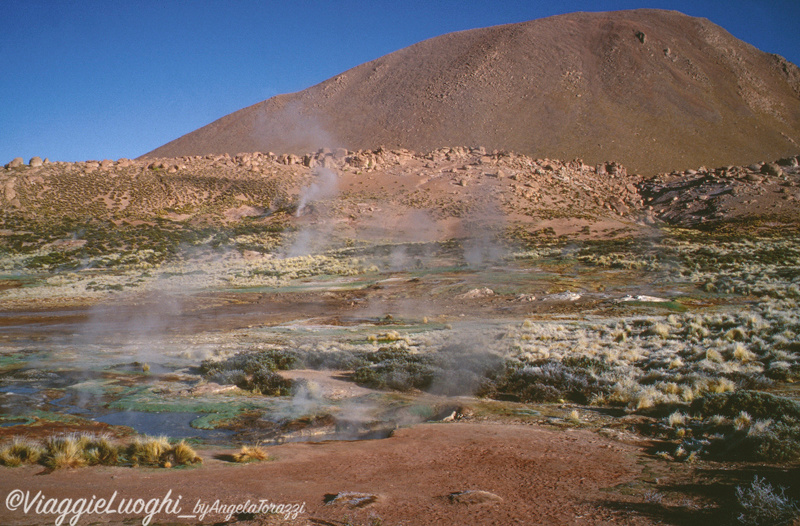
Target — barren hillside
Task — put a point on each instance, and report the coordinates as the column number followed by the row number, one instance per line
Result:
column 655, row 90
column 381, row 194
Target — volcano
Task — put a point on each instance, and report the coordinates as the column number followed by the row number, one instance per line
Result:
column 655, row 90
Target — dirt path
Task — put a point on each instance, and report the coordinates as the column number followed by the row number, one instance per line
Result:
column 534, row 476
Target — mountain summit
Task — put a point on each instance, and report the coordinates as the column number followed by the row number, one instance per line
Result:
column 656, row 90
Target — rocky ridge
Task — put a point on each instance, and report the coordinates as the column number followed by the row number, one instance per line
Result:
column 449, row 184
column 728, row 193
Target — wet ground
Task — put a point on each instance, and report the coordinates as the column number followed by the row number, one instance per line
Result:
column 131, row 361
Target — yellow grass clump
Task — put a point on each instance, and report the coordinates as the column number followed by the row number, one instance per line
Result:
column 20, row 451
column 64, row 452
column 148, row 450
column 251, row 454
column 183, row 454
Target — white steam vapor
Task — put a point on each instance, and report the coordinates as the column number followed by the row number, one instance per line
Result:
column 315, row 234
column 324, row 187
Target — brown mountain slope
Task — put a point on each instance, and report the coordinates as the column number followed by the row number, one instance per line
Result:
column 655, row 90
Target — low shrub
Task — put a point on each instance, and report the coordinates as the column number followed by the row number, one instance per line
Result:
column 341, row 360
column 548, row 381
column 745, row 425
column 450, row 371
column 398, row 375
column 268, row 383
column 249, row 362
column 761, row 504
column 757, row 404
column 254, row 371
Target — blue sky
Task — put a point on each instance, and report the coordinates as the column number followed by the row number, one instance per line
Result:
column 92, row 79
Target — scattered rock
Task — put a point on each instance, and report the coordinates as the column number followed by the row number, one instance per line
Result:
column 450, row 413
column 350, row 499
column 10, row 192
column 525, row 297
column 618, row 205
column 563, row 296
column 772, row 169
column 36, row 162
column 753, row 178
column 474, row 497
column 476, row 293
column 16, row 162
column 208, row 388
column 650, row 218
column 647, row 299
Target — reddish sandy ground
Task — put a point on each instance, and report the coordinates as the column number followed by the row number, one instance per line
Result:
column 541, row 476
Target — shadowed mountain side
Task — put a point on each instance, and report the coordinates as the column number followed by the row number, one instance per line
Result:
column 655, row 90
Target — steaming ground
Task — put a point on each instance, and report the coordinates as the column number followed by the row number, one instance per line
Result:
column 385, row 320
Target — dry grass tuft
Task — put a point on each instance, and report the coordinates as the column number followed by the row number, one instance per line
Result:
column 183, row 454
column 676, row 419
column 252, row 454
column 148, row 450
column 20, row 451
column 74, row 451
column 64, row 452
column 742, row 421
column 100, row 451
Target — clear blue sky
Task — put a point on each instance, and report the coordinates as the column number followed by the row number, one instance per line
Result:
column 92, row 79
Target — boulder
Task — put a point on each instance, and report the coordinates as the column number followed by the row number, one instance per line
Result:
column 15, row 163
column 35, row 162
column 772, row 169
column 753, row 178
